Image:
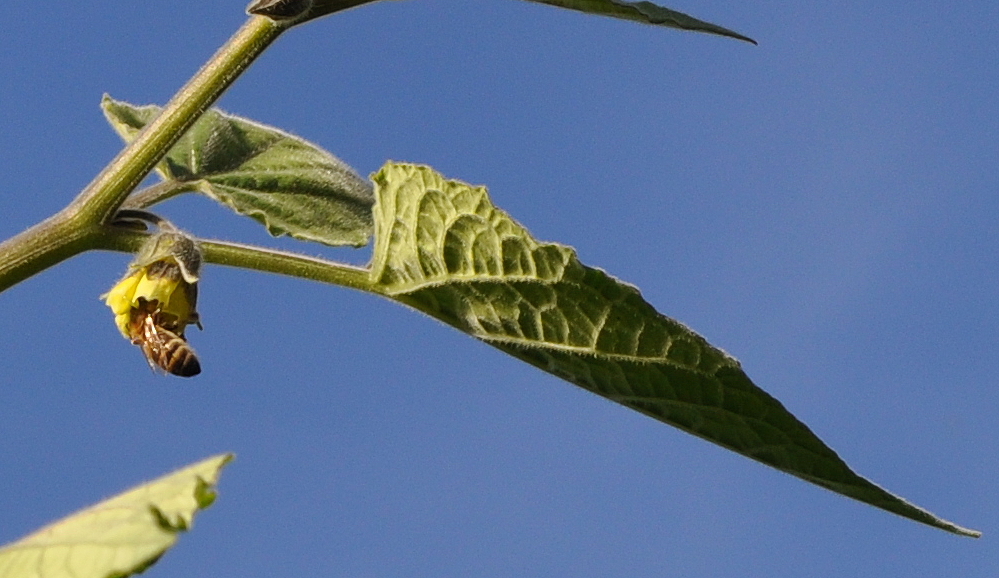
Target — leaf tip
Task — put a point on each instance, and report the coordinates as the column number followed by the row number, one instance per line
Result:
column 967, row 532
column 205, row 493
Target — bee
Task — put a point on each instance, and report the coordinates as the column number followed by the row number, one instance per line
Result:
column 157, row 298
column 162, row 342
column 164, row 348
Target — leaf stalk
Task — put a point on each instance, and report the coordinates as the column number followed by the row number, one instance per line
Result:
column 252, row 257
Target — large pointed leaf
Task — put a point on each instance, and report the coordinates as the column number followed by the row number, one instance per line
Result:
column 290, row 185
column 443, row 248
column 120, row 536
column 646, row 12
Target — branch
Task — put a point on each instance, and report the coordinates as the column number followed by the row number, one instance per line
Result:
column 77, row 227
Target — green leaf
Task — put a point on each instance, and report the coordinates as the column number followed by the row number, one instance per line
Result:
column 444, row 249
column 120, row 536
column 290, row 185
column 322, row 8
column 645, row 12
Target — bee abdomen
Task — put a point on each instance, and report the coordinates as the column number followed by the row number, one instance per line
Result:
column 177, row 358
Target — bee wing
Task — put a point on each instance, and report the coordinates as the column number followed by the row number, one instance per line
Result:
column 151, row 342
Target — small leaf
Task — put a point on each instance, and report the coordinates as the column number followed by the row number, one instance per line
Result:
column 290, row 185
column 645, row 12
column 120, row 536
column 443, row 248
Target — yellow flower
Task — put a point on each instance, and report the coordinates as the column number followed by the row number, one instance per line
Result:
column 157, row 288
column 162, row 281
column 157, row 300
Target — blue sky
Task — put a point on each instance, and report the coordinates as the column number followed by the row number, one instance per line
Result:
column 822, row 206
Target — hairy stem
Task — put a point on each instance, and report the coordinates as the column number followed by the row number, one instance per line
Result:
column 292, row 264
column 76, row 228
column 158, row 193
column 108, row 190
column 80, row 226
column 46, row 244
column 251, row 257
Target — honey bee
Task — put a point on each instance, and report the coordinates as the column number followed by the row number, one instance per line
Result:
column 162, row 342
column 157, row 298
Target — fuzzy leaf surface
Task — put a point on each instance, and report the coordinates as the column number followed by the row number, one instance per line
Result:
column 120, row 536
column 442, row 247
column 645, row 12
column 290, row 185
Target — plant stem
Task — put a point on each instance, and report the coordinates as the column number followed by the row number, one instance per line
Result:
column 108, row 190
column 292, row 264
column 46, row 244
column 250, row 257
column 77, row 227
column 157, row 193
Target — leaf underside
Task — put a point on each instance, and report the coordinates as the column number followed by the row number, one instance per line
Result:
column 290, row 185
column 444, row 249
column 645, row 12
column 120, row 536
